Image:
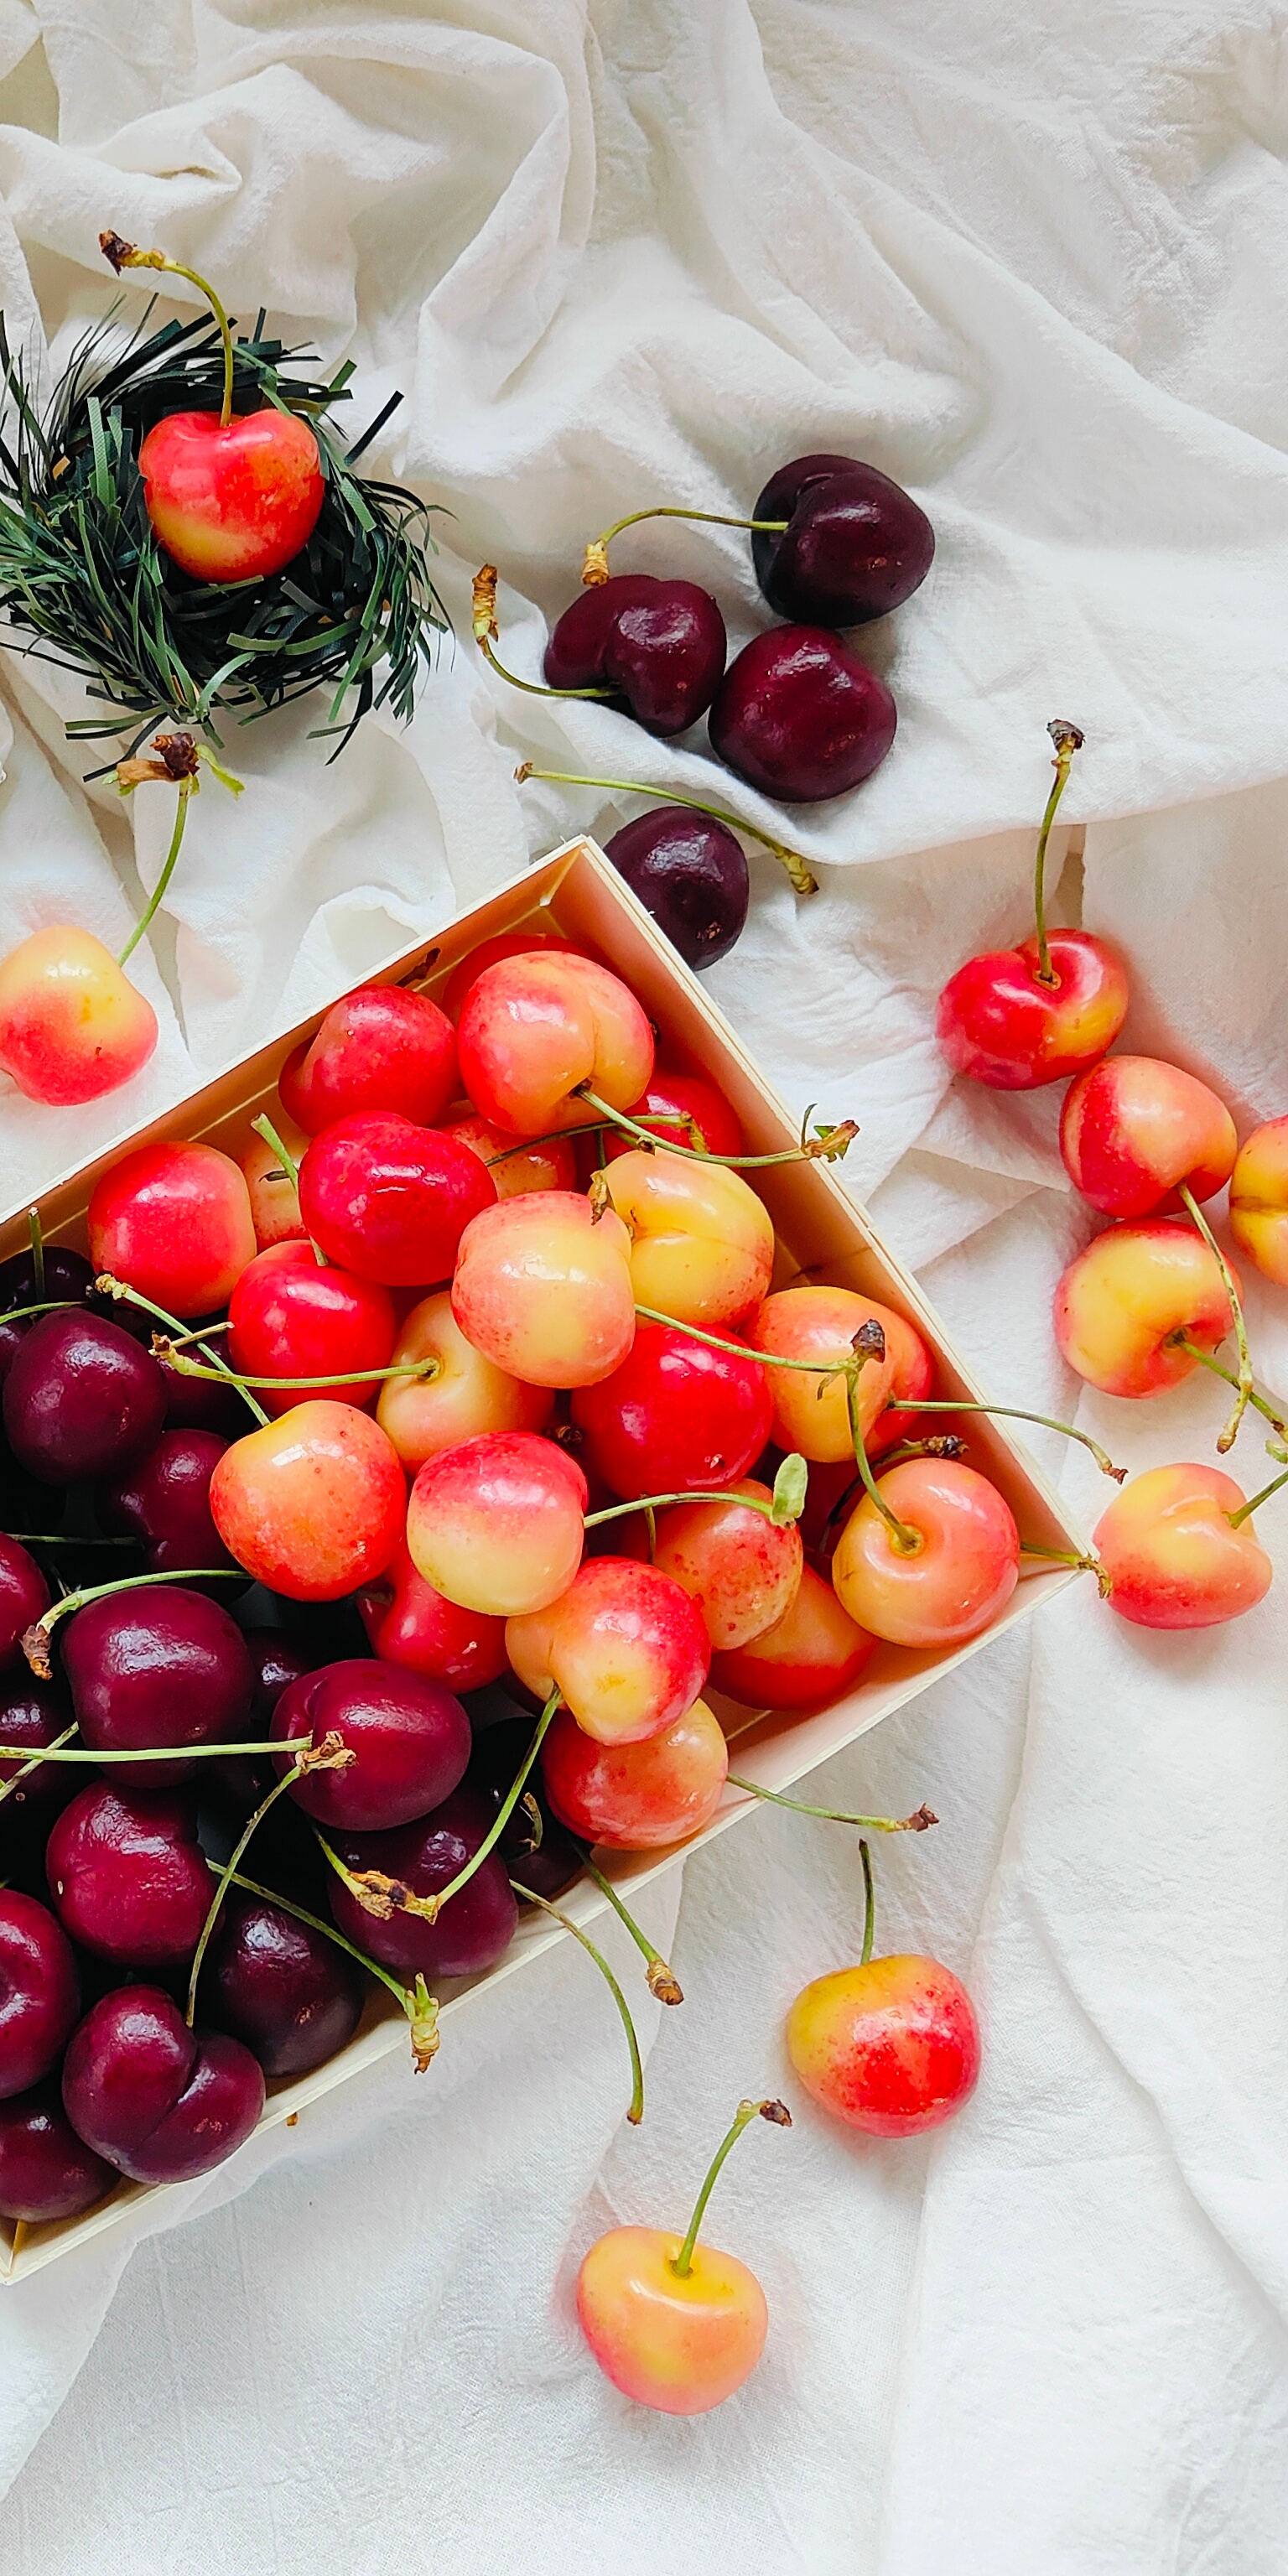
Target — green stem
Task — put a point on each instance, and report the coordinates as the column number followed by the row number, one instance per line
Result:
column 658, row 1502
column 869, row 1905
column 251, row 1825
column 635, row 2112
column 171, row 861
column 914, row 1824
column 503, row 1813
column 1236, row 1519
column 416, row 2001
column 54, row 1538
column 804, row 881
column 130, row 258
column 157, row 1752
column 1014, row 1413
column 35, row 1644
column 1061, row 1556
column 36, row 1235
column 534, row 688
column 746, row 1350
column 263, row 1126
column 822, row 1149
column 682, row 2263
column 709, row 519
column 1227, row 1437
column 426, row 1370
column 1207, row 1361
column 904, row 1539
column 1067, row 740
column 34, row 1761
column 47, row 1306
column 662, row 1980
column 106, row 1286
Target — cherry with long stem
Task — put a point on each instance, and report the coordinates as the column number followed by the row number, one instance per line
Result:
column 107, row 1286
column 332, row 1754
column 917, row 1823
column 780, row 2117
column 798, row 868
column 383, row 1896
column 122, row 254
column 35, row 1640
column 1243, row 1383
column 594, row 570
column 1067, row 739
column 635, row 2111
column 425, row 1371
column 826, row 1145
column 487, row 633
column 660, row 1977
column 416, row 2001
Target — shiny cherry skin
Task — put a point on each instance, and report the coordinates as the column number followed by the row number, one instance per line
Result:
column 659, row 646
column 412, row 1624
column 174, row 1220
column 67, row 1274
column 801, row 717
column 1000, row 1024
column 33, row 1714
column 636, row 1797
column 378, row 1049
column 164, row 1502
column 1259, row 1199
column 24, row 1598
column 160, row 2102
column 233, row 501
column 411, row 1740
column 544, row 1289
column 312, row 1504
column 890, row 2048
column 1133, row 1129
column 691, row 874
column 475, row 1926
column 127, row 1875
column 81, row 1400
column 292, row 1316
column 958, row 1580
column 1171, row 1556
column 518, row 1168
column 284, row 1990
column 489, row 952
column 72, row 1025
column 1121, row 1304
column 702, row 1243
column 46, row 2171
column 550, row 1865
column 497, row 1524
column 390, row 1200
column 39, row 1992
column 680, row 2343
column 681, row 1109
column 741, row 1573
column 534, row 1027
column 466, row 1397
column 811, row 1413
column 855, row 546
column 810, row 1657
column 156, row 1666
column 676, row 1416
column 624, row 1644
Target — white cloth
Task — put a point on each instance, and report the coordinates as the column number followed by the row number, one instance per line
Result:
column 1032, row 262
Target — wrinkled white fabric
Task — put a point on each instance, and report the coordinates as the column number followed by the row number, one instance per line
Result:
column 1034, row 264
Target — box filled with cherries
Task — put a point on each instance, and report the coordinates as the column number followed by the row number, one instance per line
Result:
column 471, row 1450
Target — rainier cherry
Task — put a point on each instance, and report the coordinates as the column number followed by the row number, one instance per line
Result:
column 820, row 1324
column 497, row 1523
column 1177, row 1550
column 291, row 1316
column 1136, row 1134
column 161, row 2102
column 1259, row 1199
column 1129, row 1304
column 799, row 716
column 625, row 1647
column 313, row 1504
column 636, row 1797
column 934, row 1560
column 676, row 1416
column 174, row 1220
column 536, row 1028
column 377, row 1049
column 391, row 1200
column 813, row 1653
column 468, row 1395
column 489, row 952
column 72, row 1025
column 543, row 1288
column 741, row 1570
column 890, row 2047
column 702, row 1243
column 408, row 1622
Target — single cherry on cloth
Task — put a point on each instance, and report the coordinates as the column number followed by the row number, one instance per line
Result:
column 292, row 1316
column 636, row 1797
column 72, row 1025
column 516, row 1168
column 690, row 872
column 380, row 1048
column 1173, row 1554
column 855, row 544
column 409, row 1736
column 489, row 952
column 655, row 648
column 311, row 1505
column 33, row 1714
column 468, row 1395
column 821, row 1324
column 1259, row 1199
column 702, row 1243
column 741, row 1570
column 814, row 1653
column 274, row 1199
column 548, row 1865
column 287, row 1993
column 890, row 2047
column 475, row 1926
column 161, row 1665
column 409, row 1622
column 543, row 1288
column 46, row 2171
column 680, row 1109
column 497, row 1524
column 81, row 1399
column 799, row 716
column 536, row 1027
column 173, row 1218
column 39, row 1991
column 933, row 1561
column 1127, row 1306
column 624, row 1644
column 159, row 2101
column 164, row 1502
column 24, row 1598
column 1135, row 1132
column 391, row 1200
column 676, row 1416
column 127, row 1875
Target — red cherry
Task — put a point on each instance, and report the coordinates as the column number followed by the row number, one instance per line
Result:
column 39, row 1992
column 999, row 1023
column 378, row 1048
column 685, row 1102
column 891, row 2047
column 676, row 1416
column 391, row 1200
column 174, row 1219
column 290, row 1317
column 233, row 502
column 420, row 1628
column 508, row 943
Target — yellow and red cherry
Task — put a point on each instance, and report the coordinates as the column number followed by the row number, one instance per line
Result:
column 676, row 1416
column 543, row 1288
column 537, row 1027
column 235, row 499
column 933, row 1561
column 72, row 1025
column 466, row 1396
column 292, row 1316
column 1003, row 1021
column 1127, row 1307
column 890, row 2047
column 497, row 1524
column 636, row 1797
column 508, row 943
column 548, row 1163
column 408, row 1622
column 912, row 1379
column 1136, row 1133
column 1177, row 1549
column 1259, row 1199
column 672, row 2322
column 702, row 1243
column 274, row 1198
column 681, row 1109
column 312, row 1505
column 812, row 1655
column 741, row 1570
column 174, row 1220
column 624, row 1645
column 380, row 1048
column 389, row 1199
column 820, row 1324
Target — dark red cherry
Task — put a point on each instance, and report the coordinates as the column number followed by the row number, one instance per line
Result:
column 33, row 1713
column 798, row 715
column 276, row 1661
column 156, row 1666
column 81, row 1399
column 283, row 1989
column 67, row 1274
column 161, row 2102
column 127, row 1875
column 46, row 2171
column 24, row 1597
column 39, row 1991
column 474, row 1927
column 691, row 874
column 546, row 1866
column 410, row 1736
column 658, row 645
column 855, row 546
column 165, row 1503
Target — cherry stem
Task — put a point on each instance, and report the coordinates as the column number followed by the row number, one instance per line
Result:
column 35, row 1642
column 36, row 1236
column 662, row 1981
column 1016, row 1413
column 504, row 1811
column 904, row 1539
column 156, row 1752
column 278, row 1790
column 426, row 1370
column 486, row 634
column 416, row 2000
column 7, row 1787
column 383, row 1896
column 198, row 1332
column 124, row 255
column 594, row 571
column 1243, row 1382
column 798, row 869
column 263, row 1126
column 914, row 1824
column 778, row 2113
column 1208, row 1361
column 1236, row 1519
column 47, row 1306
column 57, row 1538
column 1067, row 740
column 869, row 1905
column 830, row 1145
column 106, row 1286
column 635, row 2111
column 186, row 786
column 731, row 1494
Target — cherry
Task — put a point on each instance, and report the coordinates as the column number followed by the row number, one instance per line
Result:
column 380, row 1048
column 165, row 1503
column 1259, row 1199
column 855, row 545
column 1135, row 1134
column 411, row 1740
column 274, row 1198
column 489, row 952
column 152, row 1667
column 466, row 1396
column 813, row 1654
column 62, row 1273
column 1129, row 1305
column 543, row 1288
column 539, row 1030
column 497, row 1524
column 390, row 1200
column 174, row 1220
column 159, row 2101
column 46, row 2171
column 801, row 717
column 410, row 1623
column 39, row 1992
column 932, row 1560
column 81, row 1399
column 24, row 1598
column 691, row 874
column 33, row 1714
column 624, row 1645
column 741, row 1570
column 676, row 1416
column 680, row 1109
column 890, row 2047
column 549, row 1164
column 656, row 649
column 702, row 1243
column 289, row 1316
column 475, row 1926
column 128, row 1876
column 244, row 1778
column 546, row 1866
column 72, row 1025
column 291, row 1996
column 636, row 1797
column 811, row 1413
column 312, row 1505
column 1177, row 1549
